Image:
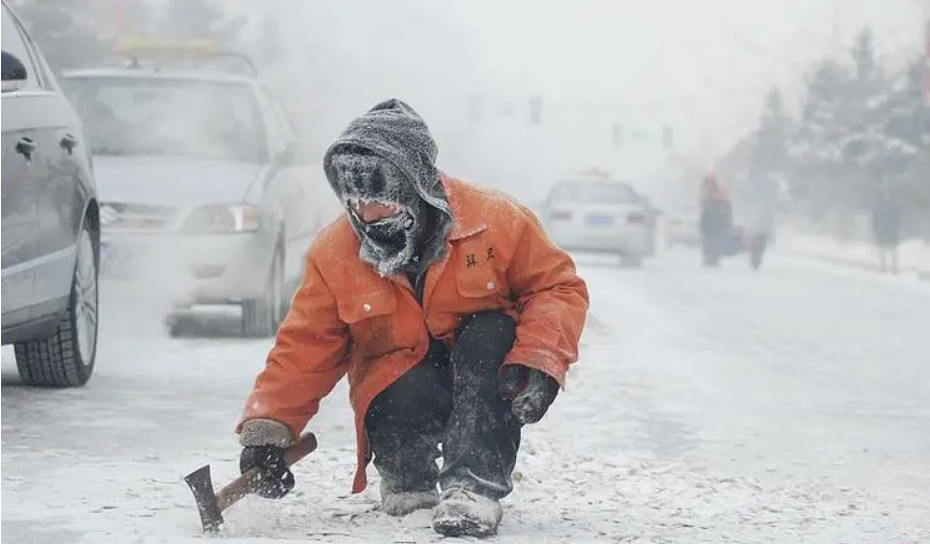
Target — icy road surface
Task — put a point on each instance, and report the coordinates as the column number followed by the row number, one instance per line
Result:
column 790, row 406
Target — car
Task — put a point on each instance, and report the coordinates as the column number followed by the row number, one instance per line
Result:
column 206, row 188
column 598, row 215
column 682, row 228
column 51, row 227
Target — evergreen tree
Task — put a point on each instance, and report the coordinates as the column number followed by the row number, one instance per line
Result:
column 770, row 154
column 907, row 151
column 817, row 145
column 756, row 166
column 907, row 118
column 858, row 131
column 862, row 122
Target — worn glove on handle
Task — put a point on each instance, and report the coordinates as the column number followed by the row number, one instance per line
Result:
column 277, row 480
column 530, row 391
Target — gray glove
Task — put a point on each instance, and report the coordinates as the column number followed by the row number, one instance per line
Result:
column 263, row 444
column 530, row 392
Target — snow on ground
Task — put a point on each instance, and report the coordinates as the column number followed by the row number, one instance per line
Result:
column 913, row 255
column 709, row 406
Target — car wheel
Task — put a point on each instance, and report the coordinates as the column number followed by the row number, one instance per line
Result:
column 173, row 327
column 66, row 358
column 260, row 317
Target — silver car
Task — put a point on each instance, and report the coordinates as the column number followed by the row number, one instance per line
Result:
column 600, row 216
column 50, row 222
column 205, row 189
column 682, row 228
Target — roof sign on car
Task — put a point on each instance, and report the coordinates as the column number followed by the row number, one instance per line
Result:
column 166, row 49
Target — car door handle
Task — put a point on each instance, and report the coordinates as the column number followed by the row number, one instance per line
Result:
column 26, row 147
column 69, row 142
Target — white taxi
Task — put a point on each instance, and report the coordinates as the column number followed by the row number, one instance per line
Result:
column 598, row 214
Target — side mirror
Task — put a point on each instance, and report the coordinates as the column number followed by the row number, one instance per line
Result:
column 13, row 71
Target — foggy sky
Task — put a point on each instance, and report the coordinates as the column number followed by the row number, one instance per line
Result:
column 703, row 66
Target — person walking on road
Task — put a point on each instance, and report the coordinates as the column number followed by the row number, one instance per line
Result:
column 758, row 212
column 886, row 226
column 716, row 219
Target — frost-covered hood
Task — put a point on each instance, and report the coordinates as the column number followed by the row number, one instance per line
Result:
column 397, row 133
column 172, row 181
column 388, row 155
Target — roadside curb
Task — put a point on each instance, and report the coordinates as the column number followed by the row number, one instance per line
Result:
column 852, row 263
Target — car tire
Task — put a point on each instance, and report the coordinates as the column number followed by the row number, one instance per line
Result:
column 66, row 358
column 261, row 317
column 173, row 327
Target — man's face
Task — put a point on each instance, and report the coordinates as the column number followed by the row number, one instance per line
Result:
column 371, row 187
column 372, row 211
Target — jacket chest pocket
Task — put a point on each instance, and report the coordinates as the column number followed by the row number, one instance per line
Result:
column 477, row 273
column 474, row 284
column 370, row 318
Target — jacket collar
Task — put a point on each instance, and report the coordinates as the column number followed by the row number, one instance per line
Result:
column 467, row 220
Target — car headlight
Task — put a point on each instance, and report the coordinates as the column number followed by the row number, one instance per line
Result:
column 222, row 218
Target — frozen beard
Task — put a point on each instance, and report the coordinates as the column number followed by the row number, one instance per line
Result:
column 389, row 244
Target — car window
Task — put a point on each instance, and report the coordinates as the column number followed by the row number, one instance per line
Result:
column 43, row 72
column 14, row 44
column 594, row 193
column 201, row 119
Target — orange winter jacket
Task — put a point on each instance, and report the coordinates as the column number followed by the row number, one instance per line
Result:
column 347, row 319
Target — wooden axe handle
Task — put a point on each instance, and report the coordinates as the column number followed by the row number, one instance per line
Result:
column 248, row 482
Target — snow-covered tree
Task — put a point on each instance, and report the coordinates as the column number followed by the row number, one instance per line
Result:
column 772, row 138
column 907, row 145
column 817, row 146
column 759, row 162
column 907, row 118
column 862, row 122
column 859, row 131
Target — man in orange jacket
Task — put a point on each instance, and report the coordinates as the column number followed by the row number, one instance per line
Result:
column 452, row 313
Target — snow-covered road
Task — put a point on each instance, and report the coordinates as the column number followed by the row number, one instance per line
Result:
column 716, row 406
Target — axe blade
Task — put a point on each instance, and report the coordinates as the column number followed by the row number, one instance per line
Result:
column 201, row 484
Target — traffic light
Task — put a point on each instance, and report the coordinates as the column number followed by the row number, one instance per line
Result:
column 668, row 138
column 536, row 110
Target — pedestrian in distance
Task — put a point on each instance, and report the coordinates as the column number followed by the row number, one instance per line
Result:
column 716, row 220
column 886, row 227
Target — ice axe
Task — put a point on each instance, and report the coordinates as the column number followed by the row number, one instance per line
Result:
column 211, row 503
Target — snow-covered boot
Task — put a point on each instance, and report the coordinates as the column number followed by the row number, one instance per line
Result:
column 399, row 503
column 466, row 513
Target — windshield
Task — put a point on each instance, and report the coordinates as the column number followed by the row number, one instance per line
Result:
column 153, row 116
column 594, row 193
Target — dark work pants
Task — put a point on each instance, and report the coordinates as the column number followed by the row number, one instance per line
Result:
column 450, row 398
